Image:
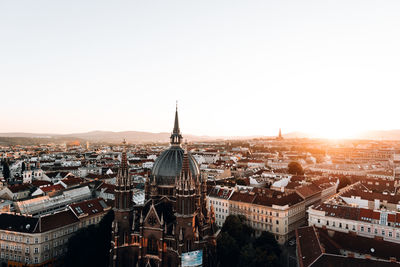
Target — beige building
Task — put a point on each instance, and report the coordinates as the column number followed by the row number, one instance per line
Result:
column 268, row 210
column 30, row 241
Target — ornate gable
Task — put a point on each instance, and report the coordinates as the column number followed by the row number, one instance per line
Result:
column 152, row 219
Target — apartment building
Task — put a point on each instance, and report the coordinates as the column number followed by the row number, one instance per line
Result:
column 268, row 210
column 381, row 224
column 31, row 241
column 218, row 200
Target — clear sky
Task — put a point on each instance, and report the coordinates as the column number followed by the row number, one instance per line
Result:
column 236, row 67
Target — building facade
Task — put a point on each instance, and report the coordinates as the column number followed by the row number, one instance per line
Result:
column 41, row 241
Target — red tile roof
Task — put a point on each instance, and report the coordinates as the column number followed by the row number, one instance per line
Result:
column 51, row 188
column 89, row 207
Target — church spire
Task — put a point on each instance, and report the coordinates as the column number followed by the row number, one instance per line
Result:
column 176, row 137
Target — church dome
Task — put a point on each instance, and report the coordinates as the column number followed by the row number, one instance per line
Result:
column 169, row 165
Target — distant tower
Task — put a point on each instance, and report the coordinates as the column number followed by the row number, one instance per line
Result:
column 87, row 145
column 280, row 135
column 27, row 174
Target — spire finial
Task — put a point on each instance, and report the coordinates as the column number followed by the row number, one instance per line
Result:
column 176, row 136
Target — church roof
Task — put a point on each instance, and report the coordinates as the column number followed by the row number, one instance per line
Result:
column 169, row 164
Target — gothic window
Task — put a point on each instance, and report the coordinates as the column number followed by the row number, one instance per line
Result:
column 152, row 245
column 188, row 245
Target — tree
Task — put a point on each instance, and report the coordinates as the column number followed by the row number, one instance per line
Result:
column 90, row 246
column 228, row 250
column 6, row 170
column 22, row 167
column 295, row 168
column 237, row 246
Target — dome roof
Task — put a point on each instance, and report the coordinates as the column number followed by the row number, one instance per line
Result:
column 169, row 165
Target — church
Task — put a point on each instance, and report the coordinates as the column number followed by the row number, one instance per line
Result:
column 173, row 227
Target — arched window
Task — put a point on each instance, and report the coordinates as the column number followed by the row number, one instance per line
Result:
column 152, row 245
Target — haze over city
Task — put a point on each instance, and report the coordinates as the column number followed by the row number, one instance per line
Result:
column 236, row 68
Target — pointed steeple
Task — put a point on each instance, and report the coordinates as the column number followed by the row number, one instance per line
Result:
column 176, row 137
column 176, row 123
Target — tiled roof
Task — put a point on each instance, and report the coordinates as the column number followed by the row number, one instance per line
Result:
column 19, row 187
column 308, row 190
column 345, row 212
column 56, row 220
column 18, row 223
column 321, row 247
column 218, row 192
column 359, row 244
column 309, row 248
column 69, row 181
column 89, row 207
column 266, row 197
column 51, row 188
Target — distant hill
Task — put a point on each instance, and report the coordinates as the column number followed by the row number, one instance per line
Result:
column 147, row 137
column 381, row 135
column 107, row 136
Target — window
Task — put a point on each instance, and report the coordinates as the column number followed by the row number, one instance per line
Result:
column 369, row 229
column 362, row 228
column 36, row 260
column 27, row 250
column 319, row 221
column 152, row 245
column 376, row 231
column 390, row 234
column 36, row 250
column 383, row 232
column 36, row 240
column 277, row 222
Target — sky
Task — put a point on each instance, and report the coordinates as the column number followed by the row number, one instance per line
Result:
column 236, row 68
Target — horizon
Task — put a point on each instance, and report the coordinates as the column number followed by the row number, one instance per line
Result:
column 291, row 135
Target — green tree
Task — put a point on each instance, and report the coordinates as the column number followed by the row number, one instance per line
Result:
column 295, row 168
column 22, row 167
column 228, row 250
column 90, row 246
column 6, row 170
column 237, row 246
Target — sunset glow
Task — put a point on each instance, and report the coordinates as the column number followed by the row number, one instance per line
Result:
column 237, row 70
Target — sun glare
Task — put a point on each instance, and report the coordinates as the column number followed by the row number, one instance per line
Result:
column 334, row 133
